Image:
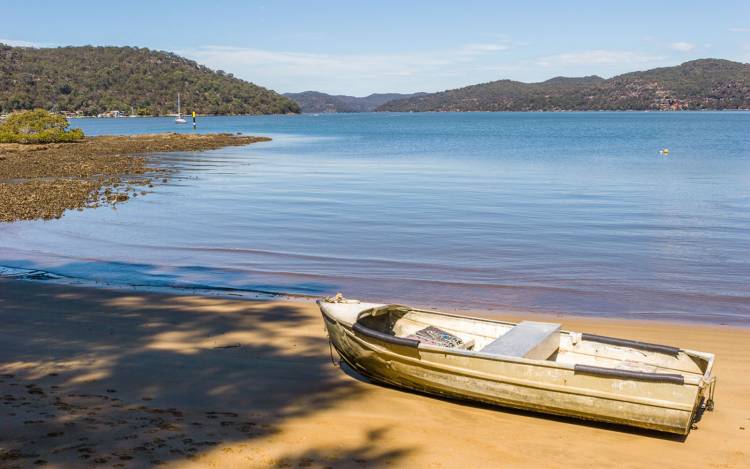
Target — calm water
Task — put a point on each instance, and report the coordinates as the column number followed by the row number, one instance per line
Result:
column 575, row 213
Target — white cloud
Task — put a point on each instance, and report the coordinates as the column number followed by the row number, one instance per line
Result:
column 361, row 62
column 682, row 46
column 481, row 48
column 595, row 57
column 740, row 30
column 287, row 71
column 435, row 70
column 20, row 43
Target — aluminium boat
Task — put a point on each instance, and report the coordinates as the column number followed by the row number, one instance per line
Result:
column 529, row 365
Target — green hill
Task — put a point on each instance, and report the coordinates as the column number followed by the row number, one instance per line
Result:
column 98, row 79
column 315, row 101
column 699, row 84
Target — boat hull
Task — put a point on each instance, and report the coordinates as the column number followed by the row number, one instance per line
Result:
column 519, row 384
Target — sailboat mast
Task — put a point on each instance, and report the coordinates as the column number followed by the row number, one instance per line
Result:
column 179, row 119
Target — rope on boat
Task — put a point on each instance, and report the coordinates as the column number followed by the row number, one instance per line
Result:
column 339, row 298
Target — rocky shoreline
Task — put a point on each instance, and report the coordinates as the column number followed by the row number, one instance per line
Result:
column 43, row 181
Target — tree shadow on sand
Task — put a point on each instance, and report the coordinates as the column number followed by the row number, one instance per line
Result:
column 135, row 380
column 365, row 455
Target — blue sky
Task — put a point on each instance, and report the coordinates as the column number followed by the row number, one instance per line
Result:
column 357, row 47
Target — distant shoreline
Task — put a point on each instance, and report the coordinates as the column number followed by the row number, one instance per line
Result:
column 644, row 111
column 652, row 111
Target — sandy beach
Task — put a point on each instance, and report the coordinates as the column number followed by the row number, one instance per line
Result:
column 117, row 378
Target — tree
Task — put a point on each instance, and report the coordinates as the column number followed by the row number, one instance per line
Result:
column 37, row 126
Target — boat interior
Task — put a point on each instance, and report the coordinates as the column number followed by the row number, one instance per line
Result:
column 532, row 340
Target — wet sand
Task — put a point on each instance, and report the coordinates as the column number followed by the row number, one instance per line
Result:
column 42, row 181
column 116, row 378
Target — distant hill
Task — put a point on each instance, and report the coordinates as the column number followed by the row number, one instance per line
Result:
column 699, row 84
column 98, row 79
column 316, row 102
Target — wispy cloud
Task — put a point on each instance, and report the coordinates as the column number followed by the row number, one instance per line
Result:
column 21, row 43
column 596, row 57
column 401, row 61
column 682, row 46
column 288, row 69
column 432, row 70
column 739, row 30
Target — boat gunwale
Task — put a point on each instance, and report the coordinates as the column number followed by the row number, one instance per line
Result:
column 636, row 344
column 673, row 378
column 526, row 383
column 709, row 357
column 688, row 380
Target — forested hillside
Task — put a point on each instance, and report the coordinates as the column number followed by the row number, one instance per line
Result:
column 92, row 80
column 699, row 84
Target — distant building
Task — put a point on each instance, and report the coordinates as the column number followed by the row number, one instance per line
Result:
column 112, row 114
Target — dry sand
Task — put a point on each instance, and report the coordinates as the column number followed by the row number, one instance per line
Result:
column 94, row 377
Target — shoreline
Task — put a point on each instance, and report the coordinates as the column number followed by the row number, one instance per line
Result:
column 136, row 378
column 571, row 111
column 43, row 181
column 44, row 277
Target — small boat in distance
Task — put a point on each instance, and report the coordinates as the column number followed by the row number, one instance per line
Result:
column 529, row 365
column 179, row 119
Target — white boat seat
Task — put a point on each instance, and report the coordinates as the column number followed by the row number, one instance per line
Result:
column 527, row 339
